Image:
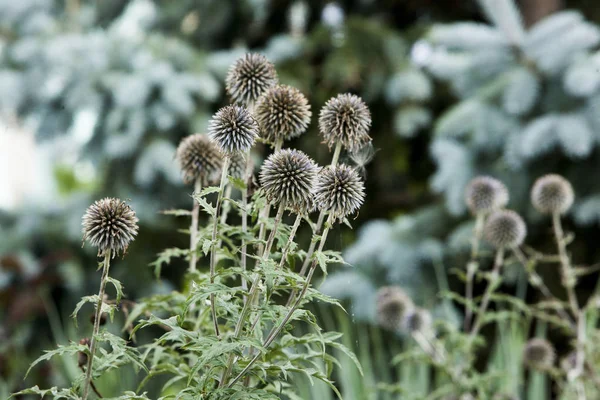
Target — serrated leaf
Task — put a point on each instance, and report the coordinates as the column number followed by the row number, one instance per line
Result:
column 118, row 287
column 237, row 183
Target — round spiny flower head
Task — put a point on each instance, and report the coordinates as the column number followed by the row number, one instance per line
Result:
column 393, row 304
column 288, row 177
column 110, row 225
column 198, row 158
column 233, row 130
column 539, row 354
column 485, row 194
column 339, row 191
column 505, row 228
column 345, row 119
column 418, row 320
column 552, row 194
column 249, row 77
column 237, row 165
column 282, row 113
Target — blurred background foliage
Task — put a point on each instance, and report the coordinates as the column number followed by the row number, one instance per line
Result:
column 95, row 96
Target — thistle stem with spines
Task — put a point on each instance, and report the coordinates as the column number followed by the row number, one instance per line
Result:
column 494, row 279
column 473, row 266
column 244, row 248
column 194, row 226
column 276, row 330
column 253, row 292
column 96, row 330
column 213, row 248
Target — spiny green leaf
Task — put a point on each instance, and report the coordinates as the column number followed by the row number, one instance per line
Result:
column 118, row 287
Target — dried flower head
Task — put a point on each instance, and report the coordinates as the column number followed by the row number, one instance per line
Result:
column 199, row 158
column 237, row 165
column 345, row 119
column 393, row 304
column 539, row 354
column 485, row 194
column 283, row 113
column 288, row 177
column 110, row 224
column 552, row 194
column 82, row 357
column 339, row 191
column 233, row 130
column 418, row 320
column 505, row 228
column 249, row 77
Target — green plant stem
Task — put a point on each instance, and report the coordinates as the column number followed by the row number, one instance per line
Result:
column 565, row 262
column 244, row 249
column 194, row 226
column 93, row 343
column 495, row 277
column 472, row 267
column 264, row 215
column 226, row 205
column 213, row 247
column 276, row 330
column 290, row 241
column 253, row 294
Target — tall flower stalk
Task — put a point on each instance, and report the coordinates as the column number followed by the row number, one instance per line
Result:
column 110, row 225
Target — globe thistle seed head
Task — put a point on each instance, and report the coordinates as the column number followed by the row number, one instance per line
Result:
column 339, row 191
column 282, row 113
column 418, row 320
column 110, row 224
column 249, row 77
column 539, row 354
column 485, row 194
column 288, row 177
column 505, row 228
column 237, row 165
column 345, row 119
column 233, row 130
column 198, row 158
column 552, row 194
column 393, row 304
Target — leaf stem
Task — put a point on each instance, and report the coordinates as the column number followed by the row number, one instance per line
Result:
column 93, row 343
column 494, row 279
column 194, row 226
column 472, row 267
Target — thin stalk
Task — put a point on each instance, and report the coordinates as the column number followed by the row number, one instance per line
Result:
column 247, row 180
column 267, row 210
column 226, row 205
column 290, row 241
column 253, row 293
column 499, row 260
column 565, row 262
column 93, row 343
column 194, row 226
column 472, row 267
column 275, row 331
column 213, row 248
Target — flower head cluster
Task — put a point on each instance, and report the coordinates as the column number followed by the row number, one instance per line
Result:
column 345, row 119
column 552, row 194
column 199, row 158
column 233, row 130
column 505, row 228
column 110, row 225
column 249, row 77
column 339, row 191
column 539, row 354
column 282, row 113
column 288, row 177
column 393, row 304
column 485, row 194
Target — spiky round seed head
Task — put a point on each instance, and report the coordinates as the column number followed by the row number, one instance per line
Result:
column 393, row 304
column 249, row 77
column 288, row 177
column 539, row 354
column 345, row 119
column 283, row 113
column 233, row 130
column 110, row 224
column 237, row 165
column 339, row 191
column 552, row 194
column 418, row 320
column 485, row 194
column 198, row 158
column 505, row 228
